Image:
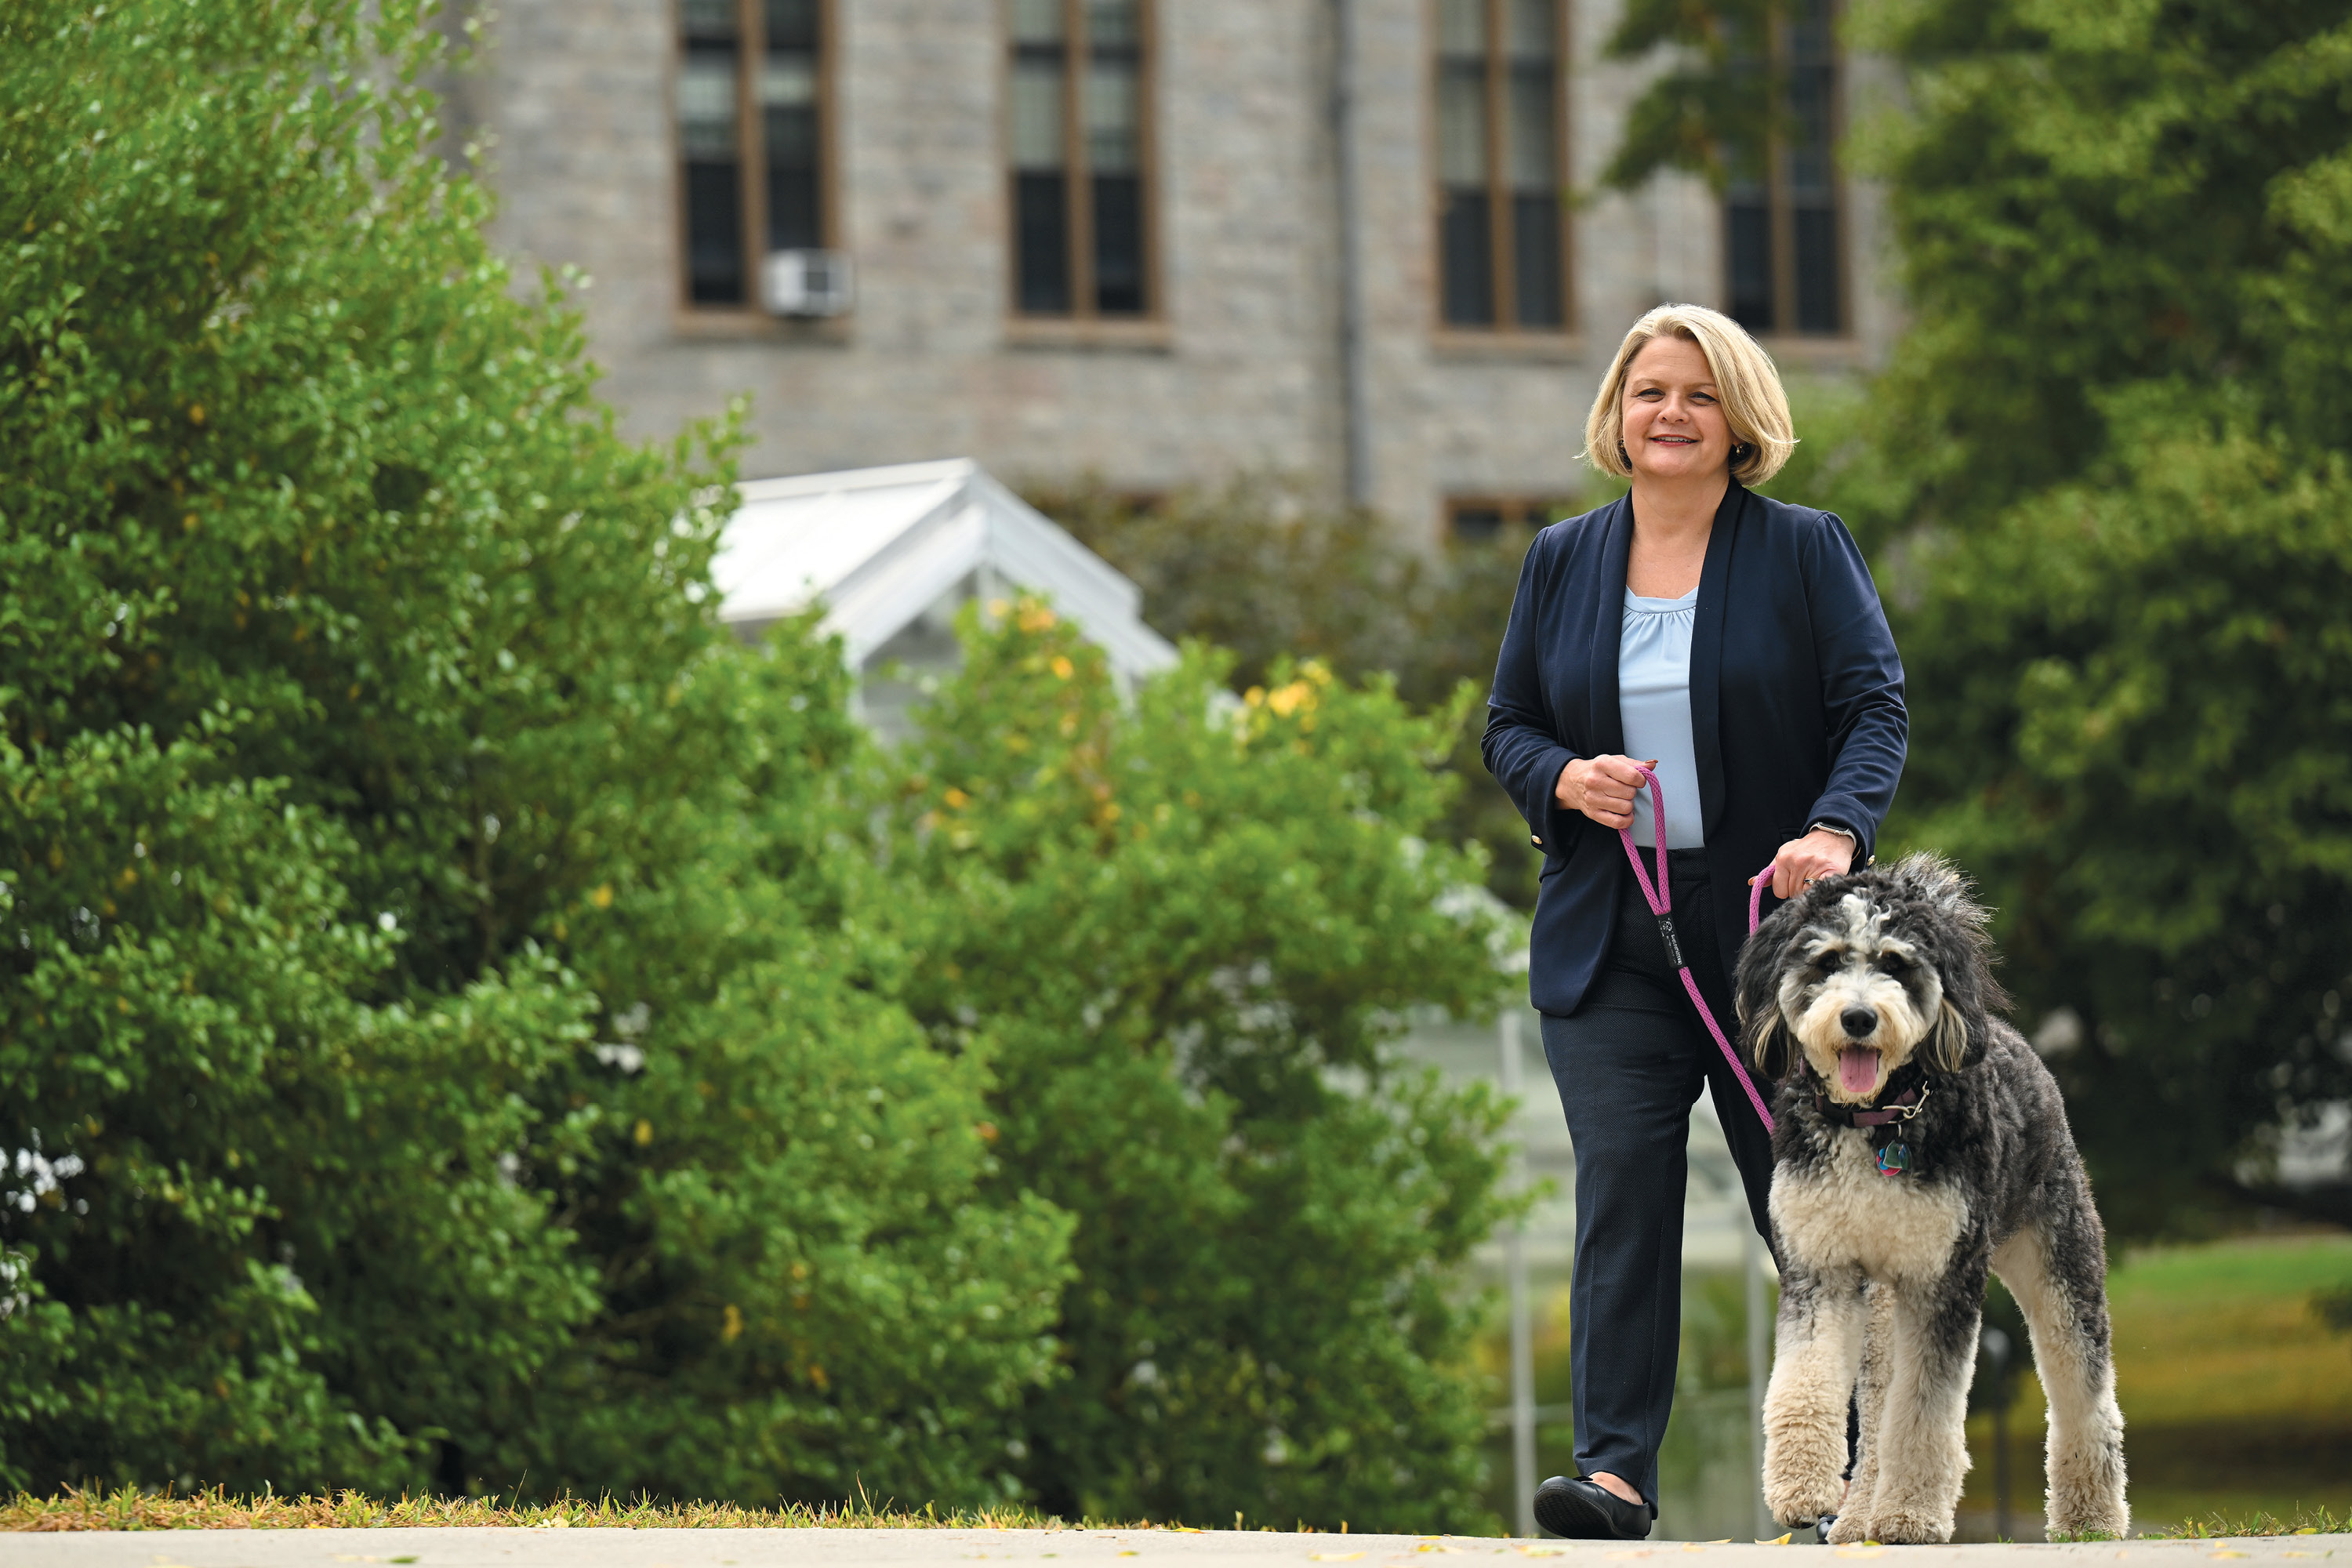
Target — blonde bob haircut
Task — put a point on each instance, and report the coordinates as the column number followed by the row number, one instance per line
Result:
column 1747, row 384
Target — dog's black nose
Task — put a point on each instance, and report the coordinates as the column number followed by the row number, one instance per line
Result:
column 1858, row 1020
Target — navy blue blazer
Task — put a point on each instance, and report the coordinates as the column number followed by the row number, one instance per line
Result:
column 1796, row 712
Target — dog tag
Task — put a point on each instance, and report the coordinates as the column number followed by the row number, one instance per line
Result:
column 1894, row 1160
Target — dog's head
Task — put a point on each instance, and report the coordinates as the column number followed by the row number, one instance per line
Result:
column 1866, row 972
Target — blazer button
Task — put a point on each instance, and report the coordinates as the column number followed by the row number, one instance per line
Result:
column 1535, row 841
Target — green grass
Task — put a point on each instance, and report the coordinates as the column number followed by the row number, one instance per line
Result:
column 128, row 1507
column 2236, row 1392
column 2218, row 1526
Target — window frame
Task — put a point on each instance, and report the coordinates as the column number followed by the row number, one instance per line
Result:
column 752, row 164
column 1782, row 212
column 1502, row 254
column 1513, row 509
column 1085, row 320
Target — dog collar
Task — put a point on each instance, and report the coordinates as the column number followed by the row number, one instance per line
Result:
column 1901, row 1107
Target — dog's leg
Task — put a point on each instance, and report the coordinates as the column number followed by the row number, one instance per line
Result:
column 1819, row 1347
column 1854, row 1519
column 2057, row 1269
column 1922, row 1447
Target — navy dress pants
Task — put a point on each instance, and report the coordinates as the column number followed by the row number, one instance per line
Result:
column 1629, row 1063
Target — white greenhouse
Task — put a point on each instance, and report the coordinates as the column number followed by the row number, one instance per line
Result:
column 893, row 553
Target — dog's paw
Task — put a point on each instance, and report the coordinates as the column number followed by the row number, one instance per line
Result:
column 1905, row 1527
column 2107, row 1522
column 1852, row 1527
column 1800, row 1500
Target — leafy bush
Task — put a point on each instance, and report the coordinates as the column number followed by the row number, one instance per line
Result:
column 1270, row 573
column 1179, row 932
column 475, row 1026
column 379, row 795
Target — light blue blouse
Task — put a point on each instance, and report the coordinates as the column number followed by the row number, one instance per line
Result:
column 1654, row 700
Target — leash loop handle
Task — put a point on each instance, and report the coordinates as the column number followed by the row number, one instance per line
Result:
column 1661, row 900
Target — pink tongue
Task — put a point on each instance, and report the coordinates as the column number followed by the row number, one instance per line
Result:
column 1857, row 1069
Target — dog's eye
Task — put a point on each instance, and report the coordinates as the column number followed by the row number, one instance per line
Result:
column 1895, row 964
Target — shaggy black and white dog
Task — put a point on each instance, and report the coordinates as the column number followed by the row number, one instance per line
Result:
column 1920, row 1143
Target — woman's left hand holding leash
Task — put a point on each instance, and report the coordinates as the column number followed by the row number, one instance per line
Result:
column 1801, row 862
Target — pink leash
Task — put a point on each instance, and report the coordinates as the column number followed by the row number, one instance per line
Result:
column 1661, row 900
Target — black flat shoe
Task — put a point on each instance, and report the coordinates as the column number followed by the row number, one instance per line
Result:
column 1587, row 1510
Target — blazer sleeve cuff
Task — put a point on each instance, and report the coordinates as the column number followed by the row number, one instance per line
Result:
column 1838, row 812
column 1548, row 820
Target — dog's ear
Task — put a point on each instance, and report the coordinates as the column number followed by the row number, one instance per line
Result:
column 1951, row 1044
column 1772, row 1045
column 1963, row 956
column 1757, row 995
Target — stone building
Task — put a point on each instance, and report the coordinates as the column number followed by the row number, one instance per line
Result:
column 1152, row 241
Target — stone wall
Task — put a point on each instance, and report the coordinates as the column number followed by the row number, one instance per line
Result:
column 1244, row 374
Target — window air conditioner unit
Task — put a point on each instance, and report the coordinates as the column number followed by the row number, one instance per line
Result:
column 809, row 283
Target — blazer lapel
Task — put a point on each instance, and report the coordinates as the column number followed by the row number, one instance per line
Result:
column 1706, row 660
column 1608, row 600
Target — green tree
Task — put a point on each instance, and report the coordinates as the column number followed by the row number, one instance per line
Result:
column 1269, row 573
column 1182, row 930
column 2123, row 412
column 2104, row 479
column 2131, row 721
column 433, row 1051
column 1716, row 101
column 2092, row 198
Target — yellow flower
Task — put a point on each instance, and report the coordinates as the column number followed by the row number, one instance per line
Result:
column 1063, row 666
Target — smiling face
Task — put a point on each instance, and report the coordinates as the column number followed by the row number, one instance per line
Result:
column 1673, row 421
column 1858, row 997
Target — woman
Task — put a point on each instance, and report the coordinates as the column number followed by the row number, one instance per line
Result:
column 1735, row 644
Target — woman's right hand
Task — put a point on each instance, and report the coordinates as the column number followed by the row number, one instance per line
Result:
column 1601, row 788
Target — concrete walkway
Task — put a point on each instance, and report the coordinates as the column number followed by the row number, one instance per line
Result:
column 581, row 1547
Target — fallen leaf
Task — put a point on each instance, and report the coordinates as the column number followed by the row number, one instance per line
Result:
column 1781, row 1541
